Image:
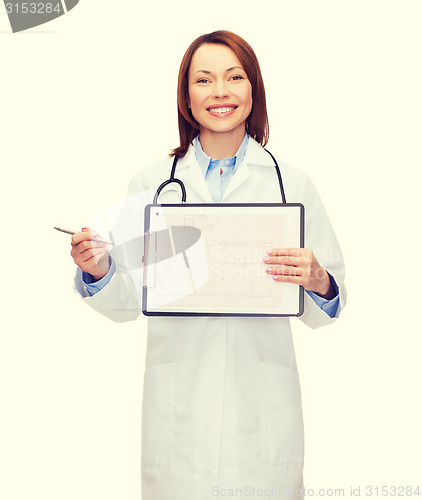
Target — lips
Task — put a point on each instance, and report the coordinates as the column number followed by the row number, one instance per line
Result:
column 221, row 109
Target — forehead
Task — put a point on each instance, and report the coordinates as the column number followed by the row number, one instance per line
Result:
column 213, row 57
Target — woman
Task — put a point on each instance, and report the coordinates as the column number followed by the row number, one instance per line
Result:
column 222, row 409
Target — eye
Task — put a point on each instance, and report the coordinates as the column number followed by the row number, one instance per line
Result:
column 202, row 80
column 237, row 77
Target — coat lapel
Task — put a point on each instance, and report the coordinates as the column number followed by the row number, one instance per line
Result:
column 255, row 155
column 241, row 175
column 190, row 172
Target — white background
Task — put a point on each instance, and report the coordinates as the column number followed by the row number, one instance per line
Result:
column 87, row 100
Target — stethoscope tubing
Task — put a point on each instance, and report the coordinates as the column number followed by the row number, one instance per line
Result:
column 182, row 186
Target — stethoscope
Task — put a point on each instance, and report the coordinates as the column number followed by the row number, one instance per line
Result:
column 182, row 186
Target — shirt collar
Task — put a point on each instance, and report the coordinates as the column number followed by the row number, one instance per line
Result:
column 205, row 161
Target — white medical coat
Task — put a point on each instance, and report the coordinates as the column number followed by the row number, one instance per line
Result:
column 222, row 413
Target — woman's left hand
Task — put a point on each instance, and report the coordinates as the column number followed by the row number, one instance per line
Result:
column 299, row 265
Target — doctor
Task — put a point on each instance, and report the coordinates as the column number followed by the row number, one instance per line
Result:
column 222, row 412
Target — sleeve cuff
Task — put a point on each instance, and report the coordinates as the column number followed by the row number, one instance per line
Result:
column 94, row 287
column 330, row 307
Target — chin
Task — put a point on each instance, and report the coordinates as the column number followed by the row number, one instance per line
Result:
column 225, row 127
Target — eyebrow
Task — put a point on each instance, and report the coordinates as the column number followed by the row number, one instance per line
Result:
column 210, row 72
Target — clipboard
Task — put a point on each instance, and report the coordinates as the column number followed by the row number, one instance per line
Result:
column 207, row 259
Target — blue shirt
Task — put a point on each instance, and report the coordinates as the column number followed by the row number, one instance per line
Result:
column 218, row 174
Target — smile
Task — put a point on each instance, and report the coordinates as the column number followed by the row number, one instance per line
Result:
column 221, row 110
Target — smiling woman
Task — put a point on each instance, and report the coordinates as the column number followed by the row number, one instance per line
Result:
column 203, row 75
column 220, row 97
column 222, row 403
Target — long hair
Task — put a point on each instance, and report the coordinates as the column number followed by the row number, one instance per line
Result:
column 257, row 121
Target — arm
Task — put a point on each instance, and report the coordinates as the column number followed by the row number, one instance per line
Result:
column 319, row 268
column 300, row 266
column 117, row 293
column 97, row 281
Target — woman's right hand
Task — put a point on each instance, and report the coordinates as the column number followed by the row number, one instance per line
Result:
column 90, row 256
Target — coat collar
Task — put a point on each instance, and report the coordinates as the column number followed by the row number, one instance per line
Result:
column 193, row 177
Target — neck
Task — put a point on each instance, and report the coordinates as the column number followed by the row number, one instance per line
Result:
column 219, row 145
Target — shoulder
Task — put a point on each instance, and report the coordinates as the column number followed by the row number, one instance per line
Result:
column 151, row 176
column 295, row 180
column 258, row 155
column 148, row 177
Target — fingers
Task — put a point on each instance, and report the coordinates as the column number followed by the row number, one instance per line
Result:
column 285, row 271
column 300, row 266
column 86, row 250
column 85, row 235
column 287, row 274
column 90, row 256
column 298, row 280
column 289, row 256
column 286, row 260
column 97, row 266
column 294, row 252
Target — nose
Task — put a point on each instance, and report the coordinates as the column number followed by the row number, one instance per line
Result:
column 220, row 90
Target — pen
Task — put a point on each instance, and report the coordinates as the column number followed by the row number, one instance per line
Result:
column 71, row 231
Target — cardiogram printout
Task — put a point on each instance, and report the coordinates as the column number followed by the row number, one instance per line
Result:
column 220, row 272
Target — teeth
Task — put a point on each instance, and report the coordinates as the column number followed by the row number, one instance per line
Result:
column 220, row 110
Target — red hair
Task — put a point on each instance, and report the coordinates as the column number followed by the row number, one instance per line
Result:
column 257, row 121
